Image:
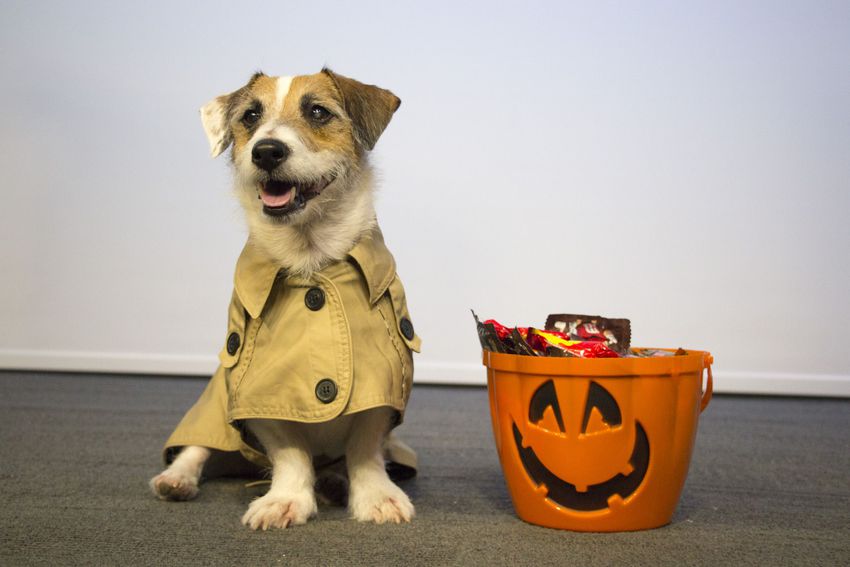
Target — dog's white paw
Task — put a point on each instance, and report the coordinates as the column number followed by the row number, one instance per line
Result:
column 280, row 511
column 380, row 502
column 174, row 485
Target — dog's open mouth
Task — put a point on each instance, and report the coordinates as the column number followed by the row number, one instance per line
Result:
column 283, row 197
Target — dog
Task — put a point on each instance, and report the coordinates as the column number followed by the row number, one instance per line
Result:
column 317, row 363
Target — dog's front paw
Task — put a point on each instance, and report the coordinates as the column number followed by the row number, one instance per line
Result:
column 280, row 511
column 174, row 485
column 380, row 502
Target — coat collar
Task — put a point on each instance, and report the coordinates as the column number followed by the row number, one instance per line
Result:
column 376, row 263
column 255, row 274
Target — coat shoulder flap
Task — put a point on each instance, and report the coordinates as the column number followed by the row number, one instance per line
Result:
column 403, row 322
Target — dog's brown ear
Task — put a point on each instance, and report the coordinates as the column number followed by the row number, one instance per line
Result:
column 369, row 107
column 214, row 116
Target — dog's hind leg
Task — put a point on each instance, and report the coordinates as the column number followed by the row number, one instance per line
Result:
column 291, row 499
column 373, row 497
column 180, row 480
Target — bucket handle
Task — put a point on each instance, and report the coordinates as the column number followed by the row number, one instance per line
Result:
column 709, row 385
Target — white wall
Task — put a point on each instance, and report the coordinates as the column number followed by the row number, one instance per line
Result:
column 682, row 164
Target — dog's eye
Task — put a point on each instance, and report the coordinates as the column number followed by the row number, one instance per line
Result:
column 251, row 116
column 320, row 114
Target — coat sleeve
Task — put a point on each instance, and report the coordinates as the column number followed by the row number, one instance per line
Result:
column 205, row 424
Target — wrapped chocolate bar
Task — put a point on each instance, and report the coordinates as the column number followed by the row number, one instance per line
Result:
column 655, row 352
column 489, row 336
column 520, row 342
column 497, row 338
column 570, row 347
column 615, row 333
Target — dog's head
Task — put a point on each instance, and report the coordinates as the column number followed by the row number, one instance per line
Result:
column 298, row 142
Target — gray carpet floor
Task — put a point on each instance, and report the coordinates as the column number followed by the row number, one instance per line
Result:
column 769, row 485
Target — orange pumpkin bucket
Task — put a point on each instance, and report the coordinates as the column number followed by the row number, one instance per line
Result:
column 596, row 444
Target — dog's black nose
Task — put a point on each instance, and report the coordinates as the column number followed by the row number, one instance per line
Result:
column 269, row 153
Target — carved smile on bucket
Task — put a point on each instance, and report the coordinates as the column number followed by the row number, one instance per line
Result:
column 622, row 448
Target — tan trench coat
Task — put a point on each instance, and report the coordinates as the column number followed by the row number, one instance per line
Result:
column 307, row 350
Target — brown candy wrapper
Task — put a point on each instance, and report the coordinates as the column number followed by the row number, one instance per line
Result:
column 488, row 336
column 521, row 345
column 511, row 342
column 654, row 352
column 617, row 333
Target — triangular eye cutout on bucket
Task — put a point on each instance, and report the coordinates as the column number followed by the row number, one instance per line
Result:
column 604, row 403
column 545, row 397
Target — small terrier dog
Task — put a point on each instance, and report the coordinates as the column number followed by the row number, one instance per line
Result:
column 317, row 362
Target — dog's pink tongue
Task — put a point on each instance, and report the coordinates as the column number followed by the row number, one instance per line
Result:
column 275, row 200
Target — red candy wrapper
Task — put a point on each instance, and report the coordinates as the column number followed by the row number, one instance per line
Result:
column 562, row 341
column 501, row 331
column 593, row 349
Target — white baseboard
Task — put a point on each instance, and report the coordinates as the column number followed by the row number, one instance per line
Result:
column 427, row 372
column 118, row 362
column 782, row 384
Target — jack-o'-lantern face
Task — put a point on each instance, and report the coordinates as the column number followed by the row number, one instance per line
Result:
column 580, row 447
